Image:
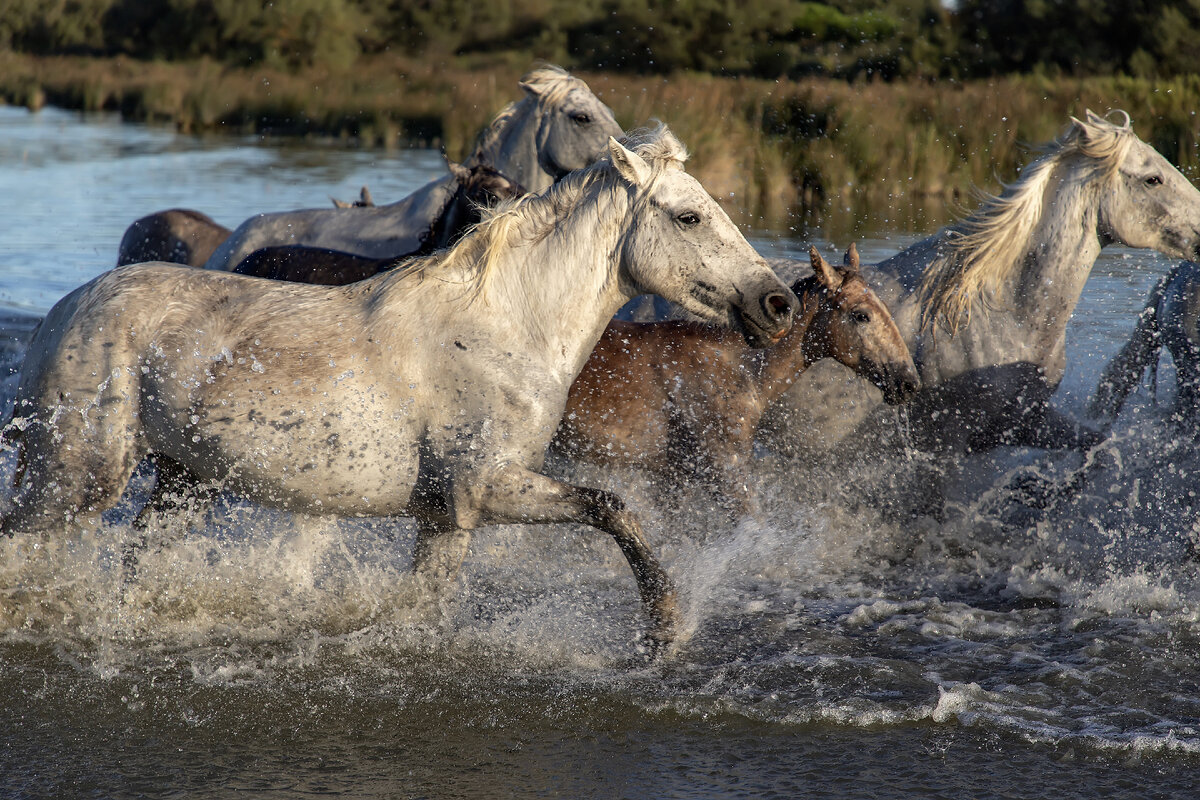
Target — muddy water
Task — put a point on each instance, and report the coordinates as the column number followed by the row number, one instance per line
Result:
column 837, row 648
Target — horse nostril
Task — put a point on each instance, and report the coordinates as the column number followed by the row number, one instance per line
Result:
column 778, row 306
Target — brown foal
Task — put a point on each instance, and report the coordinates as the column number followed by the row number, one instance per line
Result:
column 684, row 399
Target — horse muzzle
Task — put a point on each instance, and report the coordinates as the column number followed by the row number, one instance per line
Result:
column 898, row 385
column 768, row 321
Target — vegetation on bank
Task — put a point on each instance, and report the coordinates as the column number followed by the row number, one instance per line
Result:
column 786, row 104
column 770, row 149
column 764, row 39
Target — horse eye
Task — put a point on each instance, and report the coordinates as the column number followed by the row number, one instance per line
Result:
column 1154, row 180
column 580, row 118
column 860, row 317
column 689, row 218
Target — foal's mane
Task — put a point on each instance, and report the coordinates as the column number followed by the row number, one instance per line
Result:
column 532, row 217
column 979, row 253
column 549, row 83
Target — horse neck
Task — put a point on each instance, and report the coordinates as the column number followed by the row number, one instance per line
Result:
column 440, row 232
column 1059, row 256
column 447, row 223
column 560, row 286
column 514, row 150
column 777, row 366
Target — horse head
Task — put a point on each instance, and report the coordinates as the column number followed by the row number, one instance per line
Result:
column 483, row 185
column 1147, row 202
column 681, row 245
column 478, row 187
column 852, row 325
column 557, row 128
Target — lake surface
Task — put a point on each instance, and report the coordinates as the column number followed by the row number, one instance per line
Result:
column 835, row 652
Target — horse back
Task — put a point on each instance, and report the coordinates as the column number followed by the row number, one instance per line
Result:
column 377, row 232
column 318, row 265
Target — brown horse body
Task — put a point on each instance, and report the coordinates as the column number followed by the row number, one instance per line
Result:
column 178, row 235
column 684, row 399
column 478, row 186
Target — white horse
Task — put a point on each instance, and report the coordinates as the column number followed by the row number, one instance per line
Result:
column 1170, row 319
column 983, row 304
column 557, row 127
column 430, row 391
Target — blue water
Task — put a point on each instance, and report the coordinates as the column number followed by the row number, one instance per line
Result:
column 836, row 652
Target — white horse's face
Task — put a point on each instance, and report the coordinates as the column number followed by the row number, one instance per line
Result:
column 682, row 246
column 573, row 133
column 1151, row 204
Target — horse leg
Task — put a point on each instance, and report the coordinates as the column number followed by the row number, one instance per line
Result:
column 69, row 474
column 439, row 552
column 724, row 472
column 1125, row 370
column 176, row 489
column 516, row 495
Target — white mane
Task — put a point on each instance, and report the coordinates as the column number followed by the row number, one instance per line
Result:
column 532, row 217
column 980, row 252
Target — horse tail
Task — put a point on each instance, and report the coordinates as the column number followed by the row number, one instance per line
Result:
column 1126, row 369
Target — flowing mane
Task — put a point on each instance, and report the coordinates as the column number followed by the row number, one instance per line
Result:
column 979, row 253
column 549, row 83
column 534, row 216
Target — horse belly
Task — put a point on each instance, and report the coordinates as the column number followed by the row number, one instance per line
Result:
column 339, row 452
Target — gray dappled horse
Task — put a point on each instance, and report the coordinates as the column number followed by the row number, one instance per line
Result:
column 479, row 187
column 557, row 127
column 430, row 391
column 984, row 304
column 1171, row 318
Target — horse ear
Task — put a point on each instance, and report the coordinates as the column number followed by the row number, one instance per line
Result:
column 826, row 274
column 1087, row 126
column 632, row 167
column 850, row 260
column 531, row 89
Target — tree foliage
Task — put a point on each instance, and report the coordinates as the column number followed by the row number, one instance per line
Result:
column 765, row 38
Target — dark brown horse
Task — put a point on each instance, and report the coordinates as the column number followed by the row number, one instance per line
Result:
column 478, row 186
column 179, row 235
column 684, row 399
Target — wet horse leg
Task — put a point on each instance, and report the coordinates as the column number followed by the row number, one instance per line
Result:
column 515, row 495
column 66, row 476
column 176, row 489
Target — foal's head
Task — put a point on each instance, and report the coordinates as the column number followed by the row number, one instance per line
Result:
column 482, row 185
column 852, row 325
column 478, row 187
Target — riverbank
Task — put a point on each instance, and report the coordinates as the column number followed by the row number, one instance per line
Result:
column 771, row 149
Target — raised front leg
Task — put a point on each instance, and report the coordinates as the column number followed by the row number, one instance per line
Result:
column 515, row 494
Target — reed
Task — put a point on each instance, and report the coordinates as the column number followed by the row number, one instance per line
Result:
column 775, row 152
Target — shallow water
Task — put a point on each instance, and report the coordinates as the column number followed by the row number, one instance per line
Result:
column 836, row 649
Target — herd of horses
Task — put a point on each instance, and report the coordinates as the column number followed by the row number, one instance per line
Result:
column 420, row 358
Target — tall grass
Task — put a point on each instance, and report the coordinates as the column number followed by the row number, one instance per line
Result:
column 772, row 151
